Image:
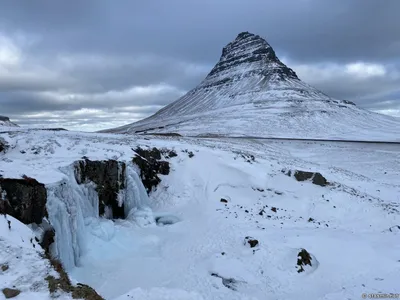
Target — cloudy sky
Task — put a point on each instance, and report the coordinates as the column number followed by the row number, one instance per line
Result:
column 97, row 64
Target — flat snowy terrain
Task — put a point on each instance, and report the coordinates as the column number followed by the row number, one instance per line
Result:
column 350, row 227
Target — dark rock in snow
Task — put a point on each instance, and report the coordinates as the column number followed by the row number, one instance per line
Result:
column 11, row 293
column 109, row 176
column 224, row 200
column 47, row 239
column 150, row 165
column 315, row 177
column 24, row 199
column 303, row 259
column 3, row 145
column 252, row 242
column 169, row 153
column 4, row 267
column 395, row 228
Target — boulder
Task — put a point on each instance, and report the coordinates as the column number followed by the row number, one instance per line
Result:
column 11, row 293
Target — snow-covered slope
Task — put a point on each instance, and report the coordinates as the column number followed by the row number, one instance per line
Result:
column 5, row 121
column 349, row 227
column 251, row 92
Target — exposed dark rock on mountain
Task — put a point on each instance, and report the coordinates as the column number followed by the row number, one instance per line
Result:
column 24, row 199
column 109, row 176
column 150, row 165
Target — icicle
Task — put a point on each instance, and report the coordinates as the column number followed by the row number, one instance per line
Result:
column 136, row 200
column 68, row 204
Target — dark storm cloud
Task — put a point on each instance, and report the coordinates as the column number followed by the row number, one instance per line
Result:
column 111, row 55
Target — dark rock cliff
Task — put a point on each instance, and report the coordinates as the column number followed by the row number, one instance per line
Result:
column 109, row 176
column 24, row 199
column 151, row 164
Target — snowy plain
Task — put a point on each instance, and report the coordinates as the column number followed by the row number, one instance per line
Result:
column 352, row 234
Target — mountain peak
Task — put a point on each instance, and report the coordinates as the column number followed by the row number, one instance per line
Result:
column 249, row 55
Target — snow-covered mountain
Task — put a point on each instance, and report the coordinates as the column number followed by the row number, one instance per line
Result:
column 5, row 121
column 251, row 92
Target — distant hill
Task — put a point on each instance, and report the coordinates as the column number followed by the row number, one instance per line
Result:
column 5, row 121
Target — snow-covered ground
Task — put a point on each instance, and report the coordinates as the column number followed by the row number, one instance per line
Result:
column 202, row 255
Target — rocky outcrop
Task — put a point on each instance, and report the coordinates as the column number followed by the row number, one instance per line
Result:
column 151, row 165
column 315, row 177
column 109, row 177
column 24, row 199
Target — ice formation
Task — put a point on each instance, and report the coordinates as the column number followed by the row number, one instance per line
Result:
column 72, row 208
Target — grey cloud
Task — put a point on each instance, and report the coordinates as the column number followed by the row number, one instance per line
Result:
column 97, row 49
column 196, row 30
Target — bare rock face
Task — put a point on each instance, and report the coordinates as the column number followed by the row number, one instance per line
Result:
column 150, row 165
column 24, row 199
column 109, row 176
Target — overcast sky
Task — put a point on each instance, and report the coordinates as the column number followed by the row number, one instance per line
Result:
column 97, row 64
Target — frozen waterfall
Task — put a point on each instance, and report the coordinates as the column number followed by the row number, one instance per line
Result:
column 72, row 206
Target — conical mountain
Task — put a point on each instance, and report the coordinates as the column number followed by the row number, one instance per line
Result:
column 250, row 92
